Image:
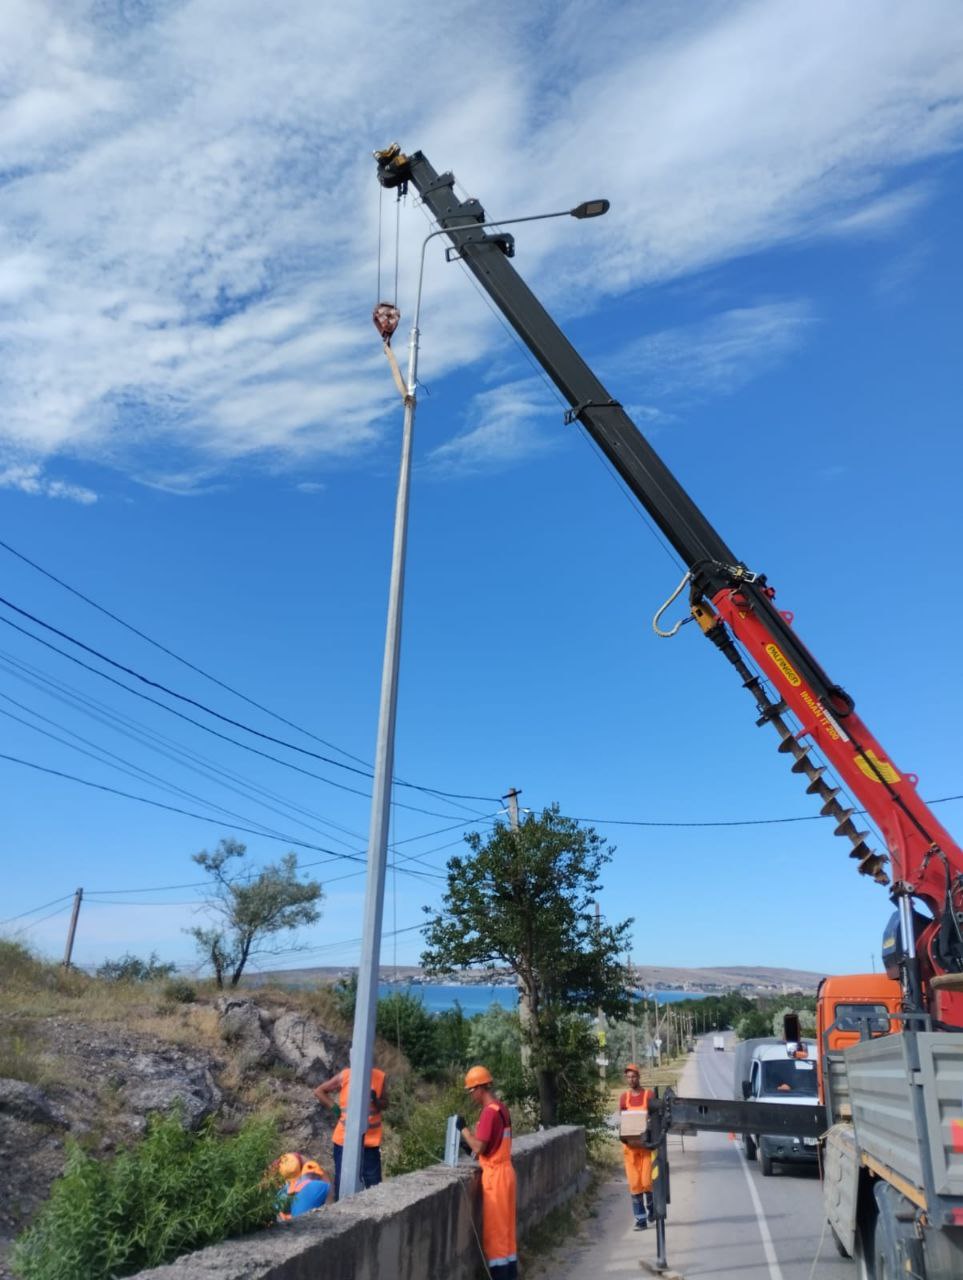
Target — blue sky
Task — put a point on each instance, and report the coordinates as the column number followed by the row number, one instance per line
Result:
column 200, row 433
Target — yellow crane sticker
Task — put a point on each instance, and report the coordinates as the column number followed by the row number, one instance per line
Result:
column 875, row 769
column 784, row 665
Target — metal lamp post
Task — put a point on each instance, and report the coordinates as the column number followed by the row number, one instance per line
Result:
column 366, row 1006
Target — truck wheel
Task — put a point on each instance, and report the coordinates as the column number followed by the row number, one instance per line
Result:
column 766, row 1162
column 750, row 1147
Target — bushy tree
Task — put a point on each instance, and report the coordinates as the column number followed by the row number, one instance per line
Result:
column 132, row 969
column 403, row 1021
column 522, row 899
column 253, row 907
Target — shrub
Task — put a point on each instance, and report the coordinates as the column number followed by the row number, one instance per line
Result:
column 132, row 969
column 404, row 1021
column 179, row 991
column 418, row 1127
column 174, row 1192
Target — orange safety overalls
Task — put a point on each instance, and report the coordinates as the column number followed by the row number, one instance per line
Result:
column 638, row 1162
column 372, row 1137
column 498, row 1202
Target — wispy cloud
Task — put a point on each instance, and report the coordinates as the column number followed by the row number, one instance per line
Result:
column 503, row 429
column 688, row 364
column 187, row 253
column 29, row 478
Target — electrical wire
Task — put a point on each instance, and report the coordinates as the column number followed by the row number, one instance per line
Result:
column 170, row 652
column 245, row 746
column 43, row 906
column 184, row 661
column 738, row 822
column 133, row 771
column 157, row 804
column 202, row 706
column 137, row 731
column 33, row 923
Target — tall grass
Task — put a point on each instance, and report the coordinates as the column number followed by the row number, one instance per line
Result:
column 174, row 1192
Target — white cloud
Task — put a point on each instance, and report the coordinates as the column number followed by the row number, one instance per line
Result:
column 29, row 478
column 187, row 252
column 718, row 356
column 504, row 430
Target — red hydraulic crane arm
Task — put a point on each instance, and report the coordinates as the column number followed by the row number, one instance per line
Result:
column 732, row 604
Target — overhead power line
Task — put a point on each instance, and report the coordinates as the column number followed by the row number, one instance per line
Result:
column 201, row 817
column 198, row 724
column 237, row 724
column 64, row 897
column 171, row 654
column 734, row 822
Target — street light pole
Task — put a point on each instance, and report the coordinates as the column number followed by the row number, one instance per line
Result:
column 366, row 1005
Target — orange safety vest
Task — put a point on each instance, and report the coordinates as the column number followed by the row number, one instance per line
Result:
column 626, row 1103
column 498, row 1202
column 372, row 1137
column 637, row 1160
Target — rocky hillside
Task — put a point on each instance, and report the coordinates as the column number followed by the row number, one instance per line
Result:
column 92, row 1065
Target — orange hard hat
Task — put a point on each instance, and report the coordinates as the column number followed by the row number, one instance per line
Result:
column 633, row 1066
column 289, row 1165
column 476, row 1076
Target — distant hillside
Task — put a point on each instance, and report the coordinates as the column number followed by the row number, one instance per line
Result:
column 752, row 979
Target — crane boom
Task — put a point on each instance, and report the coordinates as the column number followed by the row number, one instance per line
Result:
column 735, row 608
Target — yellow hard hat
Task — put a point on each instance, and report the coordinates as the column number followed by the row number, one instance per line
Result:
column 289, row 1165
column 477, row 1075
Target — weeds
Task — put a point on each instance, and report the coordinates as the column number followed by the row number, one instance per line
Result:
column 174, row 1192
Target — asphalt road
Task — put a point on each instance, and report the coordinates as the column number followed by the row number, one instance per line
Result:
column 726, row 1221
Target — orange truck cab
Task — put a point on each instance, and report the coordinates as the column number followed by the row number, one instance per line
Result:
column 847, row 1004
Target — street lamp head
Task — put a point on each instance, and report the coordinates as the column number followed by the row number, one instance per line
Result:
column 590, row 209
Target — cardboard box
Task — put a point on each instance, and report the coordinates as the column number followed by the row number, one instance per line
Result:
column 632, row 1124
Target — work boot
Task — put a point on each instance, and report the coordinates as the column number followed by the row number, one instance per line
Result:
column 638, row 1210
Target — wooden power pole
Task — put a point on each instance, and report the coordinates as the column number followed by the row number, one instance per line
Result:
column 68, row 950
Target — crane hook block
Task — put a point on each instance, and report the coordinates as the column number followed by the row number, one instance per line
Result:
column 386, row 316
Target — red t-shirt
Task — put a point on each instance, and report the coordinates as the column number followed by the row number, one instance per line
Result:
column 492, row 1123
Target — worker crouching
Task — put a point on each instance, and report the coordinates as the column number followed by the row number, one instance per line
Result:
column 491, row 1143
column 638, row 1159
column 305, row 1186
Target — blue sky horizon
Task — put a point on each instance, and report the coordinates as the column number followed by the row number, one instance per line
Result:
column 200, row 434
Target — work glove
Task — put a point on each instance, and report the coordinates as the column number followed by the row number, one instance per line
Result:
column 336, row 1113
column 374, row 1098
column 460, row 1123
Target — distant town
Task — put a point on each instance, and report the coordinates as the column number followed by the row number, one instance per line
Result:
column 747, row 979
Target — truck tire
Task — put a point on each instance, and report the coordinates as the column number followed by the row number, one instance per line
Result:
column 750, row 1147
column 766, row 1162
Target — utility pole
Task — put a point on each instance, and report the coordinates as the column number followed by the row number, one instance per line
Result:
column 600, row 1016
column 366, row 1005
column 628, row 966
column 512, row 797
column 69, row 949
column 524, row 997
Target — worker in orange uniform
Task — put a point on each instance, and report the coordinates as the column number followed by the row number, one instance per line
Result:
column 491, row 1143
column 305, row 1186
column 638, row 1161
column 371, row 1154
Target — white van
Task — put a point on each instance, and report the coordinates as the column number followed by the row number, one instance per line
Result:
column 783, row 1073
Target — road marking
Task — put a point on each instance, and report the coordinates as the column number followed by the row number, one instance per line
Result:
column 775, row 1271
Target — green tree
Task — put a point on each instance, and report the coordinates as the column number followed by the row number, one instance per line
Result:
column 132, row 969
column 403, row 1021
column 524, row 900
column 253, row 907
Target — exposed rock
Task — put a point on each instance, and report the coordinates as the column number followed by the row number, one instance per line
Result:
column 165, row 1078
column 313, row 1053
column 243, row 1025
column 28, row 1102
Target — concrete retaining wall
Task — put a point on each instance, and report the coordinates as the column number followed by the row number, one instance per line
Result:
column 421, row 1226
